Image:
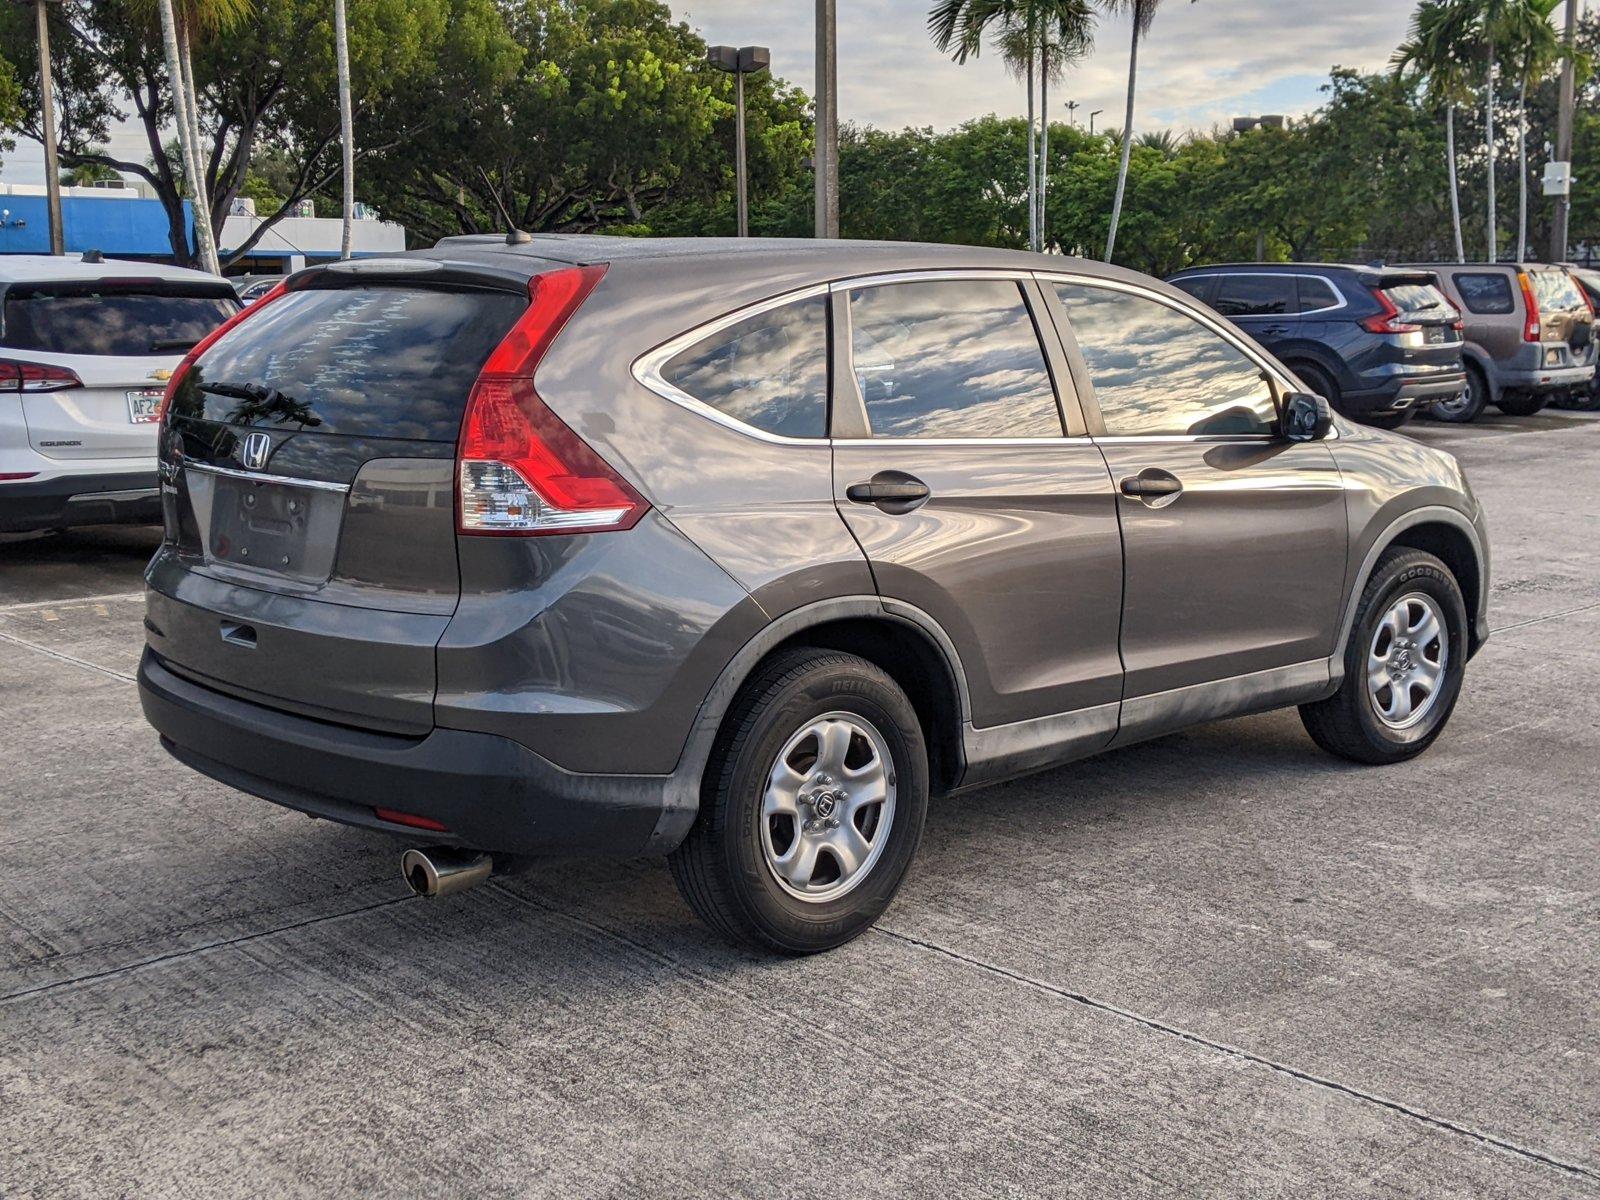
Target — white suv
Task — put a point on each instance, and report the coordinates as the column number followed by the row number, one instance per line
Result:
column 86, row 348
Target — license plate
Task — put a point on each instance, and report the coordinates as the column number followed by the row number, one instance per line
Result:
column 1552, row 358
column 144, row 405
column 1437, row 335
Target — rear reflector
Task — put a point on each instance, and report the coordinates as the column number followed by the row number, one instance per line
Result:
column 207, row 342
column 35, row 377
column 520, row 469
column 13, row 476
column 396, row 817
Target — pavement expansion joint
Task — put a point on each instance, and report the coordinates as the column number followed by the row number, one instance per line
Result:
column 62, row 656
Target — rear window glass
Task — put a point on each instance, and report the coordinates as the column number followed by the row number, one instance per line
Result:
column 1255, row 295
column 1415, row 299
column 1487, row 295
column 377, row 361
column 76, row 319
column 769, row 371
column 1555, row 291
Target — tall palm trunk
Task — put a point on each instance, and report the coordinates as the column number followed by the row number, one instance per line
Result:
column 205, row 246
column 341, row 48
column 199, row 184
column 1522, row 170
column 1488, row 134
column 1033, row 161
column 1044, row 137
column 1127, row 145
column 1455, row 180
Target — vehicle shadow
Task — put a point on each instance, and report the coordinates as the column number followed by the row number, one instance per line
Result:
column 96, row 560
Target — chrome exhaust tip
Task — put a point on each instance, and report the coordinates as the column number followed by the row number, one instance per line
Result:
column 441, row 870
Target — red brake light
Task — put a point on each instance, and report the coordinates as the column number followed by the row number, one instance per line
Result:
column 519, row 468
column 35, row 377
column 1385, row 321
column 206, row 343
column 1533, row 331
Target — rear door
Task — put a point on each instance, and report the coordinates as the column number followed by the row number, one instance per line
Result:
column 972, row 500
column 122, row 338
column 1432, row 340
column 1234, row 538
column 1564, row 316
column 308, row 468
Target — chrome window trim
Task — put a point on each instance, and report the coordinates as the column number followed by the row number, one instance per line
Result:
column 648, row 367
column 321, row 485
column 941, row 275
column 1344, row 301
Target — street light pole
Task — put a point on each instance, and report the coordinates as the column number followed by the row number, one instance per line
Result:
column 827, row 155
column 1092, row 116
column 1560, row 226
column 746, row 60
column 52, row 168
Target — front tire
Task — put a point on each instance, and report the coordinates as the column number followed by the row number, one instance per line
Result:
column 1389, row 420
column 812, row 806
column 1403, row 664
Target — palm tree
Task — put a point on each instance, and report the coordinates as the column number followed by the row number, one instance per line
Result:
column 1438, row 52
column 341, row 49
column 1143, row 13
column 1534, row 48
column 1042, row 34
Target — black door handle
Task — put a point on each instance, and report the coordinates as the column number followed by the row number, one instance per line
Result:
column 1152, row 486
column 892, row 491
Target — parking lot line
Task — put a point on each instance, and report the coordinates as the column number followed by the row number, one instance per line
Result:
column 71, row 603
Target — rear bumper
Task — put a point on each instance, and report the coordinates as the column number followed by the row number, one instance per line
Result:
column 1545, row 379
column 60, row 501
column 490, row 792
column 1405, row 392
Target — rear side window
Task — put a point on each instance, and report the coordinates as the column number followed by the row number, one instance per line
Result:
column 951, row 359
column 107, row 319
column 769, row 371
column 1556, row 292
column 1316, row 294
column 377, row 361
column 1256, row 296
column 1158, row 371
column 1486, row 295
column 1197, row 286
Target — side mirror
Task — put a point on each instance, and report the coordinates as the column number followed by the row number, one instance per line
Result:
column 1306, row 418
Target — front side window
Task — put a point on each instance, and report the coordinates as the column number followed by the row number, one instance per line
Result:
column 1158, row 371
column 956, row 358
column 1255, row 295
column 769, row 371
column 1487, row 295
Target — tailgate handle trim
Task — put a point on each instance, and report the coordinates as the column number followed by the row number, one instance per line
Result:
column 238, row 634
column 262, row 477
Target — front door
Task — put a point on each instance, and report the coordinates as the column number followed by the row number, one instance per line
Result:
column 973, row 505
column 1234, row 537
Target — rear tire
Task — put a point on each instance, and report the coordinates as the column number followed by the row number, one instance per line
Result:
column 812, row 806
column 1470, row 404
column 1403, row 664
column 1522, row 406
column 1320, row 382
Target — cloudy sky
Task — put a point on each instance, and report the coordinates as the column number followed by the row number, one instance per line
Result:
column 1204, row 63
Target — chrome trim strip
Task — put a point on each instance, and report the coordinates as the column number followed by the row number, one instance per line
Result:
column 648, row 366
column 321, row 485
column 941, row 275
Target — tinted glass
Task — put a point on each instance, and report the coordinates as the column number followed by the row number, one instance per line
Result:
column 1555, row 291
column 1316, row 293
column 1417, row 299
column 951, row 359
column 1489, row 295
column 1159, row 371
column 381, row 361
column 769, row 371
column 1196, row 287
column 1255, row 295
column 115, row 321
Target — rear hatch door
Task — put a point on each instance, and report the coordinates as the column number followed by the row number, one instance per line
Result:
column 1434, row 342
column 1565, row 319
column 122, row 337
column 309, row 461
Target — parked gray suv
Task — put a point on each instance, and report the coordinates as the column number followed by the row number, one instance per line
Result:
column 736, row 551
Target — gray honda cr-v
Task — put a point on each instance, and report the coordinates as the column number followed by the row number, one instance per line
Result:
column 735, row 552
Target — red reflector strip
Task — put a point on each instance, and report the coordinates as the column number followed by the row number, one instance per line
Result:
column 395, row 817
column 10, row 476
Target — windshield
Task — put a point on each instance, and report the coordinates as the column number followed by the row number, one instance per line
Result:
column 110, row 319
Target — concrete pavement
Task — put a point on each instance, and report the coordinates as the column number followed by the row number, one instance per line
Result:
column 1216, row 964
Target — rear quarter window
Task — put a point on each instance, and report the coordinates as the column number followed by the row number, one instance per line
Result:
column 1485, row 294
column 1316, row 294
column 111, row 319
column 376, row 361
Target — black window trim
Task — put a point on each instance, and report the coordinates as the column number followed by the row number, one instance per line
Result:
column 1344, row 301
column 1277, row 379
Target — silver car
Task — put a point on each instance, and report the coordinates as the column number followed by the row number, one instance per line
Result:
column 737, row 551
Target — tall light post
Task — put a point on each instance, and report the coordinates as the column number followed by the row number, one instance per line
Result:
column 47, row 101
column 1559, row 228
column 827, row 182
column 745, row 60
column 1092, row 116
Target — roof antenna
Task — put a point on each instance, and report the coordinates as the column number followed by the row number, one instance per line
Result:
column 514, row 236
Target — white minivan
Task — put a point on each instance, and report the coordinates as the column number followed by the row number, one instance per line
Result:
column 86, row 348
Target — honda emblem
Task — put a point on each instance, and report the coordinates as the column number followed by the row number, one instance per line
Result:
column 253, row 451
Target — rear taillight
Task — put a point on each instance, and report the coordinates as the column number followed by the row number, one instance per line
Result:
column 35, row 377
column 1533, row 331
column 1385, row 322
column 206, row 343
column 520, row 469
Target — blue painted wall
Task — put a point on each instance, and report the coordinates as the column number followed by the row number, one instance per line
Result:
column 113, row 225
